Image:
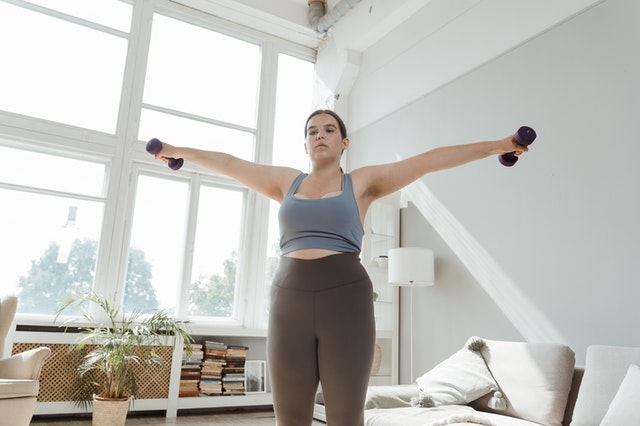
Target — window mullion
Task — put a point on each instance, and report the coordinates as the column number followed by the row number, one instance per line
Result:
column 189, row 247
column 111, row 266
column 135, row 70
column 258, row 217
column 112, row 263
column 69, row 18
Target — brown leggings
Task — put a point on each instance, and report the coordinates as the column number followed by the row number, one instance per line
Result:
column 321, row 329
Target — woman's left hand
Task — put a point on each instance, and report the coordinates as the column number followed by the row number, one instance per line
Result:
column 509, row 144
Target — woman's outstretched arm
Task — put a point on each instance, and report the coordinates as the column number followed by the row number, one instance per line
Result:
column 380, row 180
column 271, row 181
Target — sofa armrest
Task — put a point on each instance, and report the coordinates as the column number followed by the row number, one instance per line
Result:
column 24, row 366
column 578, row 373
column 390, row 396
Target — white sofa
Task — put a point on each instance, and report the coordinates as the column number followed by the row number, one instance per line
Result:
column 540, row 384
column 19, row 373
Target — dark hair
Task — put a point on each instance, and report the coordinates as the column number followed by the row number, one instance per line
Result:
column 341, row 125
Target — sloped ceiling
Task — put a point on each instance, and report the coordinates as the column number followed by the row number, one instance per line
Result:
column 365, row 24
column 415, row 35
column 371, row 20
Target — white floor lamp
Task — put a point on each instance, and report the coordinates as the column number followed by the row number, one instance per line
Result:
column 411, row 267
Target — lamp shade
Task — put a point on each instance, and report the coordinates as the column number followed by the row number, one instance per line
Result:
column 411, row 266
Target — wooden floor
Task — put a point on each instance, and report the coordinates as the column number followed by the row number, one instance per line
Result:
column 260, row 417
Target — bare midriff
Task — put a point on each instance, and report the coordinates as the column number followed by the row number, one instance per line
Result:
column 314, row 253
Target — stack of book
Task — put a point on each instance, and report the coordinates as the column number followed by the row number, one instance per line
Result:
column 190, row 372
column 213, row 363
column 233, row 375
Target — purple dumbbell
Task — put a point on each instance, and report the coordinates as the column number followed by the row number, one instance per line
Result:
column 525, row 137
column 154, row 146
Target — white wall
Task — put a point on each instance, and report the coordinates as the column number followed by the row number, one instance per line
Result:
column 560, row 229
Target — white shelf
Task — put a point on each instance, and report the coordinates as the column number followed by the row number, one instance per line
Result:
column 173, row 402
column 249, row 400
column 382, row 225
column 385, row 334
column 253, row 399
column 67, row 407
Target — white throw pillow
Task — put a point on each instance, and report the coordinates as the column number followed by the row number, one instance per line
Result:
column 461, row 378
column 624, row 409
column 605, row 368
column 535, row 379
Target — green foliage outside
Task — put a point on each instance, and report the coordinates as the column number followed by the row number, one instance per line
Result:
column 213, row 296
column 48, row 282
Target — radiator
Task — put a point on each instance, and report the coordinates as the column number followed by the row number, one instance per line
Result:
column 59, row 375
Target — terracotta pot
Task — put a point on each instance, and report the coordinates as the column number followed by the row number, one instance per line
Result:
column 109, row 412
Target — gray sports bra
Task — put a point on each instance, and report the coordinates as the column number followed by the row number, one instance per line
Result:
column 331, row 223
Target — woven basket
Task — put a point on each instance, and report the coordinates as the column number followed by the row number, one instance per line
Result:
column 109, row 412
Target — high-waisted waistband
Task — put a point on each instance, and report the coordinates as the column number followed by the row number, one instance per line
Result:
column 319, row 274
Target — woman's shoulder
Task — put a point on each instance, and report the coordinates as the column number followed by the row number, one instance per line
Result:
column 362, row 175
column 370, row 182
column 360, row 180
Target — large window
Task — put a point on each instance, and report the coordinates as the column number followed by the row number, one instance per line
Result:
column 156, row 243
column 215, row 256
column 62, row 70
column 201, row 88
column 291, row 107
column 52, row 210
column 202, row 72
column 84, row 206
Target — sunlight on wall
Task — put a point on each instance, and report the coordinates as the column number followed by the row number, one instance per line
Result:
column 523, row 314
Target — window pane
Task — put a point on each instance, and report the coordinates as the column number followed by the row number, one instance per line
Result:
column 50, row 246
column 111, row 13
column 202, row 72
column 156, row 249
column 196, row 134
column 59, row 71
column 44, row 171
column 293, row 105
column 214, row 273
column 49, row 241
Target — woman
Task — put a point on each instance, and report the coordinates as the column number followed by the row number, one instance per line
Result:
column 321, row 325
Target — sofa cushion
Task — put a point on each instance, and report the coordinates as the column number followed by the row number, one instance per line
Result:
column 8, row 306
column 605, row 369
column 535, row 379
column 462, row 415
column 390, row 396
column 18, row 388
column 459, row 379
column 624, row 409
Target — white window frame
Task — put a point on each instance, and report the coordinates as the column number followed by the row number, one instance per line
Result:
column 125, row 155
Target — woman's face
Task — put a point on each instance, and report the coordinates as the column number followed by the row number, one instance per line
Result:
column 324, row 139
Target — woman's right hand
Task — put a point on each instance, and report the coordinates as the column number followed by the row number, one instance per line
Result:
column 166, row 152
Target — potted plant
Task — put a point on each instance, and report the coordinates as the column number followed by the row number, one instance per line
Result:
column 110, row 346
